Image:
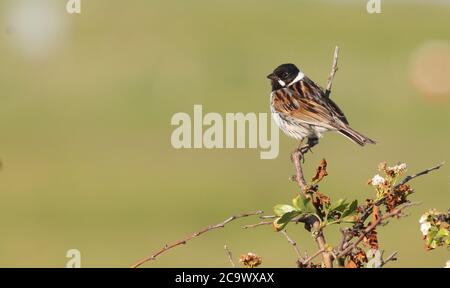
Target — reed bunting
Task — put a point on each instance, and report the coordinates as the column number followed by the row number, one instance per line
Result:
column 302, row 109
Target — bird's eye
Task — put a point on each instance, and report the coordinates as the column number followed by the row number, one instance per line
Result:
column 285, row 75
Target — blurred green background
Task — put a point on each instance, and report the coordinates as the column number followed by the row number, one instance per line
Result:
column 86, row 102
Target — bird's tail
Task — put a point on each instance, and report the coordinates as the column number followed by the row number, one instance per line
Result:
column 355, row 136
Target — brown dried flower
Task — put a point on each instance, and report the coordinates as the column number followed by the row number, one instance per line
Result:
column 321, row 171
column 308, row 265
column 319, row 200
column 357, row 259
column 250, row 260
column 371, row 239
column 398, row 196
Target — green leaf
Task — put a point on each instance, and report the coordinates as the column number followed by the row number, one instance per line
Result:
column 296, row 201
column 304, row 204
column 350, row 210
column 442, row 233
column 281, row 222
column 350, row 219
column 288, row 217
column 339, row 205
column 282, row 209
column 330, row 218
column 430, row 238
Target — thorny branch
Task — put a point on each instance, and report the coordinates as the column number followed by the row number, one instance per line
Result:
column 194, row 235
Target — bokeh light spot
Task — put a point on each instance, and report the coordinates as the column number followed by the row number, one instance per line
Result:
column 430, row 71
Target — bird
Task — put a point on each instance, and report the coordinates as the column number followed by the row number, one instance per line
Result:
column 302, row 109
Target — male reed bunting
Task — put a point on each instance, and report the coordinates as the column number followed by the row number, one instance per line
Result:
column 302, row 109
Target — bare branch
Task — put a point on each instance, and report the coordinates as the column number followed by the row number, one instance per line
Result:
column 334, row 69
column 366, row 231
column 310, row 258
column 294, row 244
column 268, row 217
column 426, row 171
column 194, row 235
column 262, row 223
column 392, row 257
column 229, row 255
column 322, row 244
column 398, row 211
column 346, row 237
column 296, row 220
column 297, row 157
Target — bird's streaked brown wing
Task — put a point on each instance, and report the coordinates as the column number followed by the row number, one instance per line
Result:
column 313, row 91
column 307, row 103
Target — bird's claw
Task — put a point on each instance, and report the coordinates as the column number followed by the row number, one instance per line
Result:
column 305, row 149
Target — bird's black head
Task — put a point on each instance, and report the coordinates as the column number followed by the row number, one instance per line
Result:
column 283, row 75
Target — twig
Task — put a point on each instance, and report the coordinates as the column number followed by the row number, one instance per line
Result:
column 310, row 258
column 294, row 244
column 426, row 171
column 262, row 223
column 268, row 217
column 369, row 210
column 392, row 257
column 194, row 235
column 398, row 211
column 366, row 231
column 334, row 69
column 229, row 255
column 346, row 236
column 297, row 157
column 299, row 219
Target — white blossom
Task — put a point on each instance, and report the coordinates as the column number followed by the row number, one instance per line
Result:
column 423, row 219
column 425, row 227
column 398, row 168
column 401, row 166
column 377, row 180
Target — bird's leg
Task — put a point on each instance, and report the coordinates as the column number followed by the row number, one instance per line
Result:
column 303, row 149
column 312, row 141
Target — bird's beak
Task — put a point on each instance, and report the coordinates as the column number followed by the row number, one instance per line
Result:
column 272, row 76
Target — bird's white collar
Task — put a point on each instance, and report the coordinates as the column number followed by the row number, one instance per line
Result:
column 299, row 77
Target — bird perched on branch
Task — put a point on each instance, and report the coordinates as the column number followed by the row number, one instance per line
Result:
column 302, row 109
